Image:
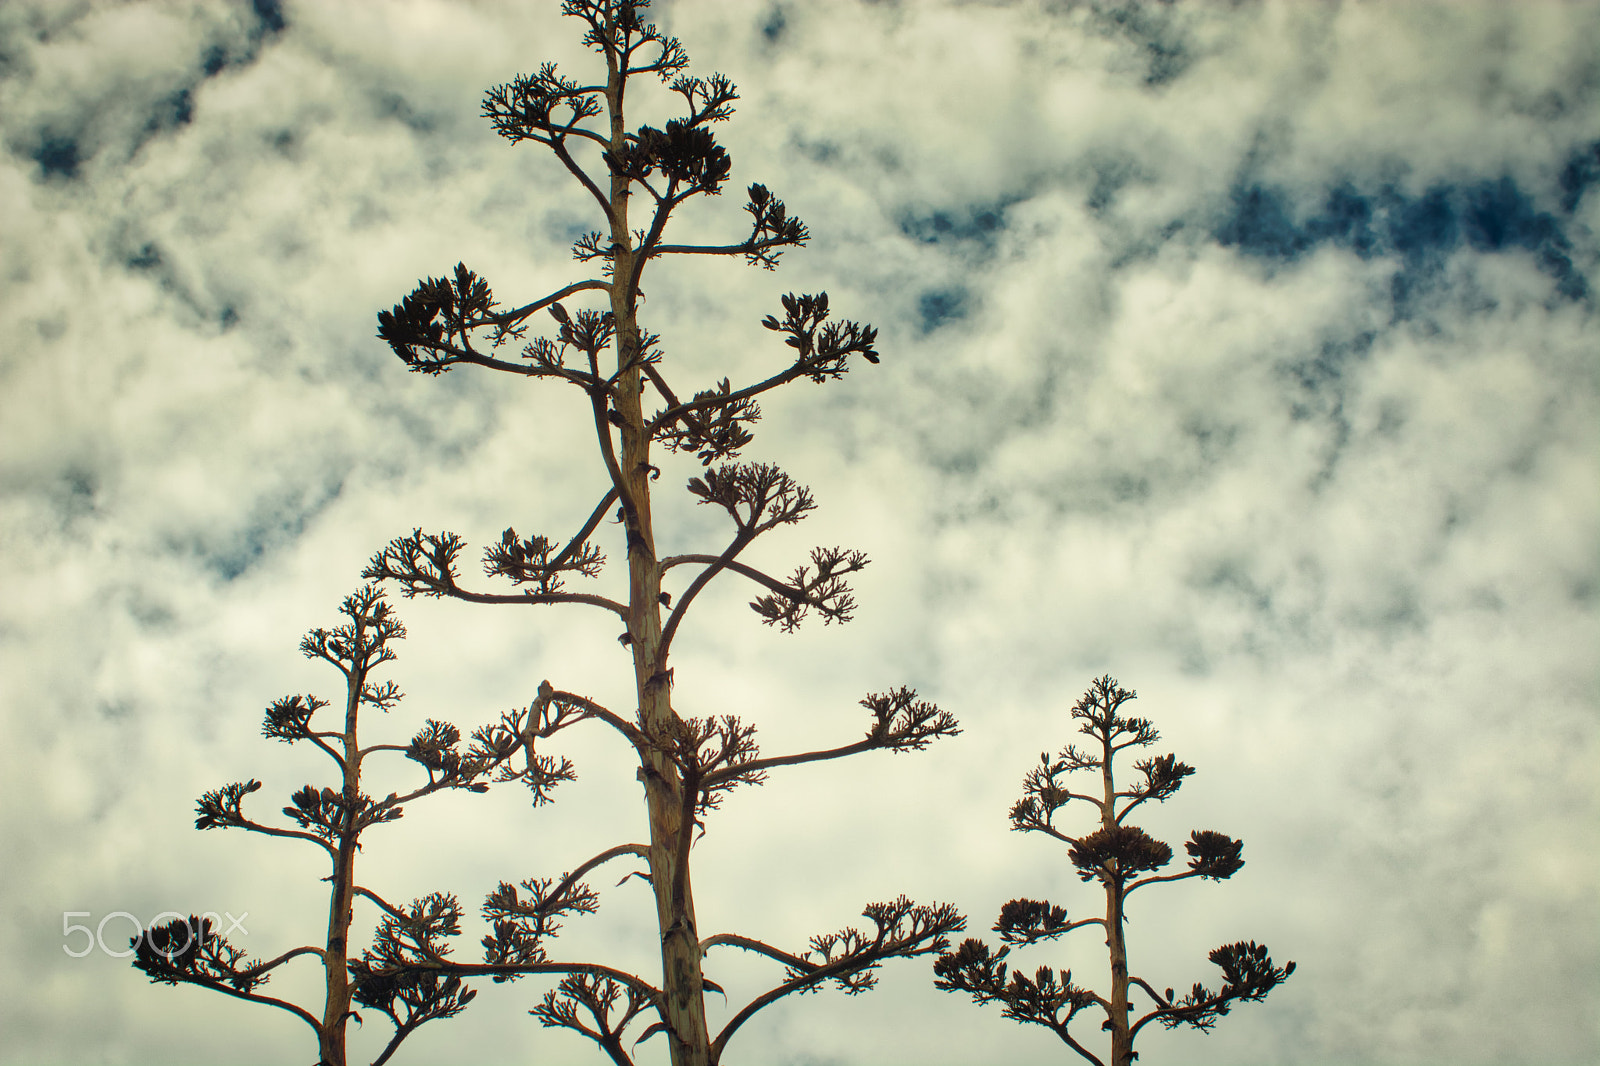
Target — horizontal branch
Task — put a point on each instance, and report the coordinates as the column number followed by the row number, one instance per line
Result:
column 757, row 946
column 467, row 355
column 519, row 313
column 485, row 969
column 717, row 562
column 257, row 827
column 744, row 248
column 1164, row 877
column 424, row 565
column 613, row 606
column 757, row 765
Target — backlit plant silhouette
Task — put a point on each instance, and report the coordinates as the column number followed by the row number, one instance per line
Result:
column 333, row 819
column 1115, row 854
column 617, row 371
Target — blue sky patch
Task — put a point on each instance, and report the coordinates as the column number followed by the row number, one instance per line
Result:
column 1490, row 217
column 58, row 156
column 976, row 223
column 936, row 307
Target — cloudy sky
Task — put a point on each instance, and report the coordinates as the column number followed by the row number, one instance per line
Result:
column 1245, row 352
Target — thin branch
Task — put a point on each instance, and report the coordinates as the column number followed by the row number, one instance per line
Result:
column 380, row 901
column 766, row 999
column 755, row 765
column 299, row 1012
column 582, row 536
column 602, row 428
column 673, row 413
column 263, row 967
column 1142, row 983
column 716, row 563
column 1075, row 1046
column 1088, row 799
column 1124, row 812
column 547, row 597
column 721, row 562
column 468, row 355
column 257, row 827
column 661, row 386
column 757, row 946
column 1152, row 880
column 483, row 969
column 606, row 856
column 744, row 248
column 578, row 172
column 1053, row 831
column 658, row 221
column 518, row 314
column 614, row 720
column 315, row 738
column 456, row 593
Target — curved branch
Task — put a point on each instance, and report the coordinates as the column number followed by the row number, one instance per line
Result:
column 572, row 128
column 519, row 313
column 658, row 222
column 1075, row 1046
column 816, row 975
column 1165, row 877
column 380, row 901
column 723, row 563
column 316, row 738
column 263, row 967
column 257, row 827
column 1051, row 831
column 757, row 946
column 1163, row 1006
column 1142, row 983
column 716, row 564
column 299, row 1012
column 615, row 721
column 606, row 856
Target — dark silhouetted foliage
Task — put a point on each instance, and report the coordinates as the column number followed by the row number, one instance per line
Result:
column 1114, row 854
column 333, row 820
column 686, row 765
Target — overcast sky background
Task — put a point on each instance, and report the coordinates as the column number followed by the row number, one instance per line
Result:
column 1245, row 352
